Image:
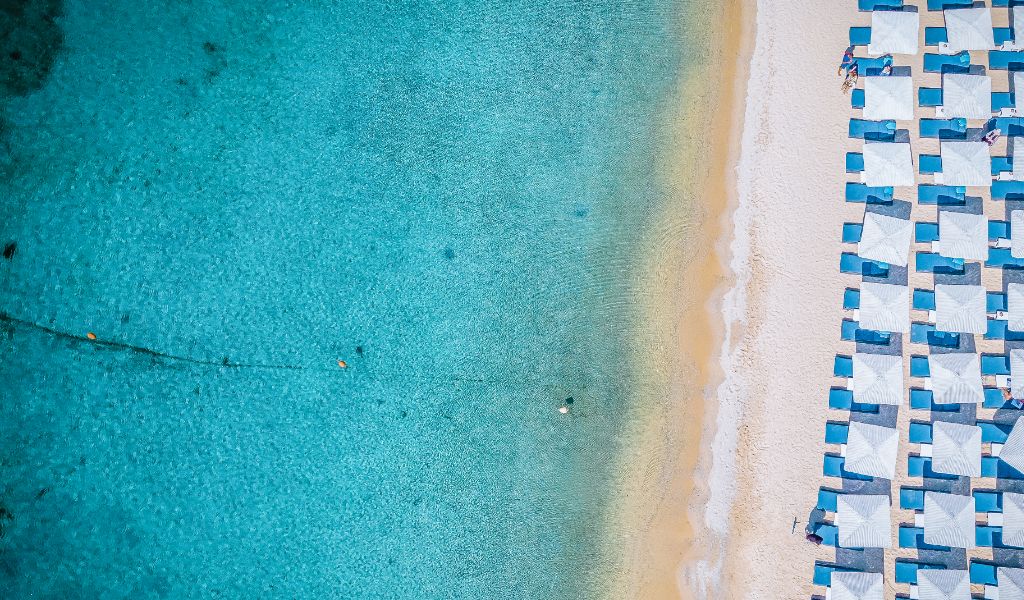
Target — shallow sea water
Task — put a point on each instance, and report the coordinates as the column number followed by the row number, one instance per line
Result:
column 447, row 196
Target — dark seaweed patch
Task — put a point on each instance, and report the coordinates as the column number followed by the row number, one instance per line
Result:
column 10, row 248
column 31, row 41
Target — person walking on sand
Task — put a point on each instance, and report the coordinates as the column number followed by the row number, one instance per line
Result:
column 847, row 62
column 851, row 79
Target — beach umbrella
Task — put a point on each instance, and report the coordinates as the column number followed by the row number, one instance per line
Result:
column 963, row 235
column 1018, row 83
column 956, row 378
column 878, row 378
column 1015, row 306
column 1010, row 583
column 863, row 521
column 1017, row 373
column 1013, row 144
column 871, row 450
column 1012, row 452
column 966, row 163
column 960, row 308
column 943, row 584
column 888, row 163
column 1017, row 22
column 884, row 307
column 967, row 96
column 887, row 239
column 888, row 97
column 1017, row 229
column 949, row 520
column 855, row 585
column 956, row 448
column 969, row 29
column 894, row 32
column 1013, row 519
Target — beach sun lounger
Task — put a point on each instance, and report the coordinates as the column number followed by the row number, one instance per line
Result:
column 852, row 232
column 991, row 466
column 852, row 332
column 1001, row 164
column 920, row 433
column 985, row 502
column 982, row 573
column 857, row 99
column 926, row 233
column 929, row 97
column 921, row 466
column 993, row 432
column 925, row 400
column 944, row 4
column 1001, row 100
column 994, row 399
column 919, row 366
column 829, row 534
column 995, row 364
column 853, row 264
column 988, row 537
column 843, row 366
column 929, row 164
column 923, row 299
column 836, row 432
column 931, row 262
column 995, row 302
column 864, row 129
column 1007, row 190
column 828, row 500
column 842, row 399
column 854, row 162
column 912, row 498
column 926, row 333
column 913, row 537
column 947, row 63
column 834, row 466
column 1010, row 126
column 933, row 36
column 1001, row 257
column 906, row 570
column 872, row 66
column 869, row 5
column 1005, row 60
column 945, row 129
column 858, row 192
column 942, row 195
column 998, row 230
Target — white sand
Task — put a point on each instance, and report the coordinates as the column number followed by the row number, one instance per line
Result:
column 784, row 313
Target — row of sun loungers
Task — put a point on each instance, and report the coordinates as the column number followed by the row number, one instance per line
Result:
column 961, row 480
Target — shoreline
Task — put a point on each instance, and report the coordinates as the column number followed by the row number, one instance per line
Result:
column 686, row 283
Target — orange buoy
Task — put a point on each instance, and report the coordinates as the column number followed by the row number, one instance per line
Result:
column 342, row 364
column 91, row 335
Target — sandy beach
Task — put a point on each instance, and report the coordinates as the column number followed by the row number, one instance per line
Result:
column 782, row 315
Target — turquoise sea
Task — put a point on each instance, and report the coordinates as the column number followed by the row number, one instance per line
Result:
column 232, row 195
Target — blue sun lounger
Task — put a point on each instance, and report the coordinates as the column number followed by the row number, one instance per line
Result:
column 913, row 537
column 827, row 500
column 843, row 366
column 923, row 299
column 906, row 569
column 926, row 333
column 931, row 262
column 1005, row 3
column 983, row 573
column 1001, row 100
column 823, row 573
column 925, row 400
column 863, row 129
column 986, row 536
column 920, row 433
column 858, row 192
column 852, row 232
column 919, row 366
column 947, row 63
column 834, row 466
column 944, row 129
column 985, row 502
column 991, row 466
column 930, row 163
column 925, row 233
column 829, row 534
column 911, row 498
column 857, row 99
column 1007, row 60
column 921, row 466
column 851, row 299
column 872, row 66
column 1002, row 35
column 868, row 5
column 836, row 432
column 994, row 399
column 1001, row 164
column 998, row 230
column 995, row 364
column 933, row 36
column 1007, row 190
column 854, row 162
column 944, row 4
column 852, row 264
column 998, row 329
column 1010, row 126
column 928, row 97
column 852, row 332
column 842, row 399
column 860, row 36
column 995, row 301
column 994, row 432
column 1001, row 257
column 942, row 195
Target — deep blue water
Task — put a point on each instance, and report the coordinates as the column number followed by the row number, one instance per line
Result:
column 451, row 197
